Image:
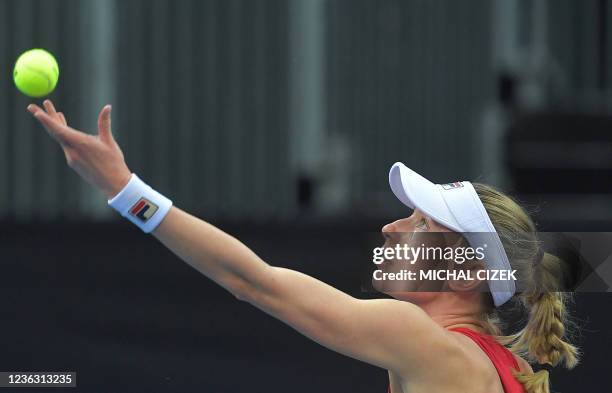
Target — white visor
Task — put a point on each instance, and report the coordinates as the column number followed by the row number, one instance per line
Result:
column 457, row 207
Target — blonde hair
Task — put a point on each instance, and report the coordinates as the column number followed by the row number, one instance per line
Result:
column 543, row 339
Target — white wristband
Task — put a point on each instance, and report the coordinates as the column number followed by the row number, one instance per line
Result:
column 141, row 204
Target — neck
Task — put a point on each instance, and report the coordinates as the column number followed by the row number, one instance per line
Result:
column 450, row 311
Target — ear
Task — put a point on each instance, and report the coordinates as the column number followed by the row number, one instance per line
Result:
column 454, row 239
column 471, row 283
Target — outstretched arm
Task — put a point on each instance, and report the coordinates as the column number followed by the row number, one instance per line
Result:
column 387, row 333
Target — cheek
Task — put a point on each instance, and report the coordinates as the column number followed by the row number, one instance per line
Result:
column 435, row 227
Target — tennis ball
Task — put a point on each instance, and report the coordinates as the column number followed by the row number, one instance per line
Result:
column 36, row 73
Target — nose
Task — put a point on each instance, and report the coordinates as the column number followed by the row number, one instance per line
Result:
column 388, row 229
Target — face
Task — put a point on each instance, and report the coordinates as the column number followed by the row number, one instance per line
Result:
column 413, row 231
column 417, row 222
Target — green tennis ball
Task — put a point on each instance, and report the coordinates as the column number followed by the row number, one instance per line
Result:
column 36, row 73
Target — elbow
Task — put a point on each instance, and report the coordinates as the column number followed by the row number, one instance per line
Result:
column 244, row 292
column 242, row 295
column 255, row 291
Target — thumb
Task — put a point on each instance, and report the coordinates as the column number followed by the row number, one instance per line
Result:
column 104, row 124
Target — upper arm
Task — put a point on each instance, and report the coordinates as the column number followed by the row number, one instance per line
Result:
column 384, row 332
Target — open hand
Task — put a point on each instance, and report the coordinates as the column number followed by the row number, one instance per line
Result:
column 96, row 158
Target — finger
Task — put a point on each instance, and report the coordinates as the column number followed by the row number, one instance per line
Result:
column 62, row 118
column 50, row 108
column 104, row 124
column 48, row 104
column 53, row 127
column 35, row 108
column 61, row 133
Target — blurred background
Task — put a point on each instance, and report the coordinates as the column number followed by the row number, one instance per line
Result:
column 278, row 120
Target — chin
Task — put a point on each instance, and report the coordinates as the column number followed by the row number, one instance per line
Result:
column 378, row 286
column 402, row 291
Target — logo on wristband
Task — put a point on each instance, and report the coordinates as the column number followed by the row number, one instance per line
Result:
column 143, row 209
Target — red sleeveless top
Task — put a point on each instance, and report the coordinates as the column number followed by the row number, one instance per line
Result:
column 503, row 360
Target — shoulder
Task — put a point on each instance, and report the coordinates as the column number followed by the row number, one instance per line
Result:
column 406, row 319
column 411, row 338
column 459, row 356
column 480, row 355
column 472, row 361
column 480, row 364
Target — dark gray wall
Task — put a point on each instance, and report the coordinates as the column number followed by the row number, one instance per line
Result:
column 407, row 82
column 201, row 95
column 200, row 103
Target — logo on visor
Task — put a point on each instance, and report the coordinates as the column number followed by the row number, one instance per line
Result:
column 450, row 186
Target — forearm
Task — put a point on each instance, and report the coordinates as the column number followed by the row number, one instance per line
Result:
column 99, row 160
column 366, row 330
column 214, row 253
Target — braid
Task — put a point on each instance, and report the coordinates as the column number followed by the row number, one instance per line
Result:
column 543, row 339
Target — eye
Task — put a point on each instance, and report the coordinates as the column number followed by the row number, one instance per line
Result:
column 422, row 225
